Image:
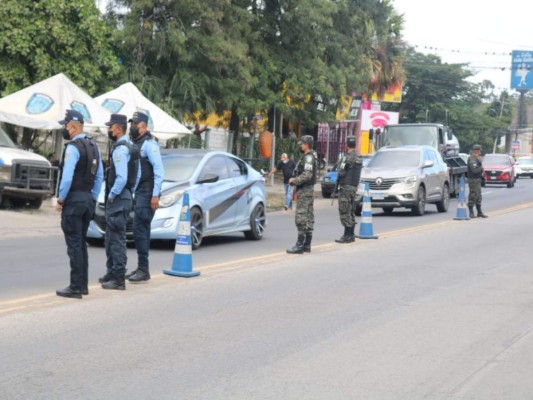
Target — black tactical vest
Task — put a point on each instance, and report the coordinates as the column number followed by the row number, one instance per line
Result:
column 301, row 167
column 133, row 165
column 147, row 169
column 87, row 166
column 353, row 166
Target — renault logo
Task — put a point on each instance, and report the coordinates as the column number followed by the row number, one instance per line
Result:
column 379, row 181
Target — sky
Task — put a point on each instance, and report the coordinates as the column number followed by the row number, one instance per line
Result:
column 479, row 32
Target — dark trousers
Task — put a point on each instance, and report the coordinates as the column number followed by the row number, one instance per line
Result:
column 116, row 216
column 141, row 227
column 75, row 217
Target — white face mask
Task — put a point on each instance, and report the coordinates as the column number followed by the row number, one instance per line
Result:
column 285, row 161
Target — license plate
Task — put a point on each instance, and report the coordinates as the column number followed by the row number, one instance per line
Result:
column 492, row 178
column 378, row 195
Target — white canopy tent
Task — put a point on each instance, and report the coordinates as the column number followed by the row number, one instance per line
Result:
column 127, row 99
column 42, row 105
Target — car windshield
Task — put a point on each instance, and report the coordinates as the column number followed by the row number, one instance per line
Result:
column 496, row 159
column 395, row 159
column 180, row 167
column 525, row 161
column 5, row 141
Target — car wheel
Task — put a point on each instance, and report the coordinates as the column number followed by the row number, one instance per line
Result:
column 420, row 207
column 482, row 183
column 442, row 206
column 197, row 227
column 257, row 223
column 510, row 184
column 95, row 242
column 388, row 210
column 326, row 194
column 35, row 203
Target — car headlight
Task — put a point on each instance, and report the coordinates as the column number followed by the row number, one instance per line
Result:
column 170, row 199
column 409, row 180
column 5, row 173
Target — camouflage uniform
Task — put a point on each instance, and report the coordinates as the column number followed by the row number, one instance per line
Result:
column 304, row 181
column 475, row 175
column 349, row 172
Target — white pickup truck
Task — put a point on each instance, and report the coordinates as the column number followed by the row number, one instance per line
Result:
column 25, row 177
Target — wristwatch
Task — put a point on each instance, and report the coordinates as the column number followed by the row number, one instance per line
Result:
column 60, row 202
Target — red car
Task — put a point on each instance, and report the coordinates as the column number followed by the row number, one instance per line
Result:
column 498, row 169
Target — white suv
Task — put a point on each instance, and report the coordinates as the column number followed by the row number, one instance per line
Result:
column 406, row 176
column 25, row 177
column 524, row 167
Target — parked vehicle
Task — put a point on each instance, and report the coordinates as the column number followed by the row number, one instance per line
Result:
column 329, row 180
column 438, row 136
column 25, row 177
column 498, row 169
column 524, row 167
column 226, row 195
column 406, row 176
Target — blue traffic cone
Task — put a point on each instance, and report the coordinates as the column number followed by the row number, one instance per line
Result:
column 366, row 231
column 461, row 214
column 182, row 262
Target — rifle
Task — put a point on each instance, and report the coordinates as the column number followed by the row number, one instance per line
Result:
column 335, row 189
column 106, row 172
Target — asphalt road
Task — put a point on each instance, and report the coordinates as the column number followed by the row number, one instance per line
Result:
column 434, row 309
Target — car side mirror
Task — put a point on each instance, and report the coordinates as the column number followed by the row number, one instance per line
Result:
column 208, row 178
column 427, row 164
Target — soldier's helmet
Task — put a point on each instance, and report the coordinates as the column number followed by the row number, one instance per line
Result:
column 350, row 142
column 306, row 139
column 476, row 147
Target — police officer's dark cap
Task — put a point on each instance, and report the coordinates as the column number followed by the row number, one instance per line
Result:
column 72, row 115
column 307, row 139
column 476, row 147
column 139, row 117
column 350, row 141
column 117, row 119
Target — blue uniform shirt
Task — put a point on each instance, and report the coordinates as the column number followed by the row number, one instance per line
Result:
column 150, row 149
column 121, row 157
column 72, row 156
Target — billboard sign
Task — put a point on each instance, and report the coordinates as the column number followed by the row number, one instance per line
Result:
column 521, row 69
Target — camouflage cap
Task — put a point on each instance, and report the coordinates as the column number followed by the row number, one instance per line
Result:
column 307, row 139
column 350, row 141
column 476, row 147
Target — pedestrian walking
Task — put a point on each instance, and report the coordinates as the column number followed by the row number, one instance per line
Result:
column 286, row 166
column 304, row 180
column 121, row 180
column 146, row 194
column 348, row 174
column 475, row 175
column 81, row 178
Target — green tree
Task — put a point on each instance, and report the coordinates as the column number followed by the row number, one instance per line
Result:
column 39, row 39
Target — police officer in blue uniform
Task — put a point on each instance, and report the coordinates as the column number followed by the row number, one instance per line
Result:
column 81, row 180
column 122, row 179
column 146, row 194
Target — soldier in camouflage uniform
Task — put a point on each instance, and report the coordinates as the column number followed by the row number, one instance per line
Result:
column 304, row 181
column 349, row 171
column 475, row 175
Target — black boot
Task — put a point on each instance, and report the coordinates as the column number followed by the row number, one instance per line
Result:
column 471, row 209
column 140, row 276
column 85, row 291
column 342, row 239
column 307, row 242
column 69, row 292
column 298, row 248
column 116, row 283
column 479, row 212
column 352, row 234
column 106, row 278
column 130, row 274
